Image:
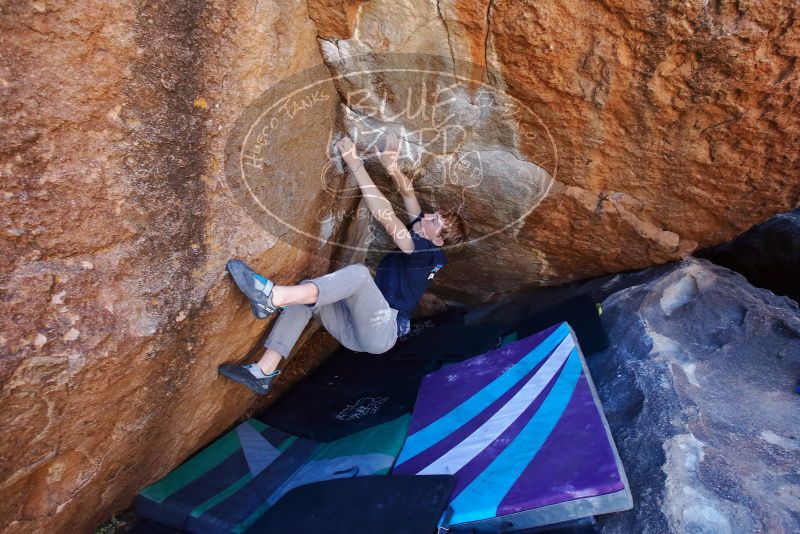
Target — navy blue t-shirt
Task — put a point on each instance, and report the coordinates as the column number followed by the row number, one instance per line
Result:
column 402, row 278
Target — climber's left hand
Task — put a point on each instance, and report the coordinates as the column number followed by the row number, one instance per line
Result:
column 348, row 150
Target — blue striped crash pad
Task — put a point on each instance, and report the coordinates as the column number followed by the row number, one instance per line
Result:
column 228, row 485
column 524, row 433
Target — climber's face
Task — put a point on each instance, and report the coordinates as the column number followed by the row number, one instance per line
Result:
column 430, row 225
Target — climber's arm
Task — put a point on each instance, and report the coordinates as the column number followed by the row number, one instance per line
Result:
column 381, row 209
column 406, row 189
column 388, row 157
column 378, row 204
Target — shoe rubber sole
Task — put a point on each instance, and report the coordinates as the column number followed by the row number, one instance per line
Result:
column 243, row 277
column 239, row 374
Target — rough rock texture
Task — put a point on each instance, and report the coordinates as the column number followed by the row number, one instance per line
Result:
column 698, row 390
column 116, row 308
column 768, row 254
column 664, row 126
column 649, row 130
column 334, row 18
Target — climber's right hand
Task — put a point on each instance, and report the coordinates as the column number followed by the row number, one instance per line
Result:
column 390, row 152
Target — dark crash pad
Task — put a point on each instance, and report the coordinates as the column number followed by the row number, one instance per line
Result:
column 348, row 393
column 582, row 315
column 230, row 484
column 370, row 504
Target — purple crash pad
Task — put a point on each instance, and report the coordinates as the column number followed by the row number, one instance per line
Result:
column 522, row 430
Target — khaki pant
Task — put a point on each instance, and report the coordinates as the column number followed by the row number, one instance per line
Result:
column 350, row 306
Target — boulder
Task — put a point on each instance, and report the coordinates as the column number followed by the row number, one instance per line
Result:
column 116, row 225
column 698, row 391
column 611, row 137
column 607, row 136
column 768, row 254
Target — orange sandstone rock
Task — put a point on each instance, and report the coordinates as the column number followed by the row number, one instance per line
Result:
column 654, row 128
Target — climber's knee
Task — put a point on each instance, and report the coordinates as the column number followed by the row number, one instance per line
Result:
column 376, row 343
column 360, row 269
column 374, row 347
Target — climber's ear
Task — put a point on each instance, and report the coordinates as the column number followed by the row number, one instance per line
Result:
column 438, row 240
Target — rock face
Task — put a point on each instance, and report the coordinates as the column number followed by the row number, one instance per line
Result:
column 698, row 390
column 768, row 254
column 662, row 127
column 635, row 135
column 116, row 224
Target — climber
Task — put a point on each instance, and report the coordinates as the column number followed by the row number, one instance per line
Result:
column 363, row 314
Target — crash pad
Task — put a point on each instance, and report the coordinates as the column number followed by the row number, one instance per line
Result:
column 523, row 431
column 451, row 342
column 228, row 485
column 396, row 505
column 582, row 315
column 348, row 393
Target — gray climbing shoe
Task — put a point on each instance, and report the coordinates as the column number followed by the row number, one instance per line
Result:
column 255, row 287
column 241, row 374
column 257, row 311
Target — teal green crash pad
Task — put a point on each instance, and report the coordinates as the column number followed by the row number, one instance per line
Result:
column 228, row 485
